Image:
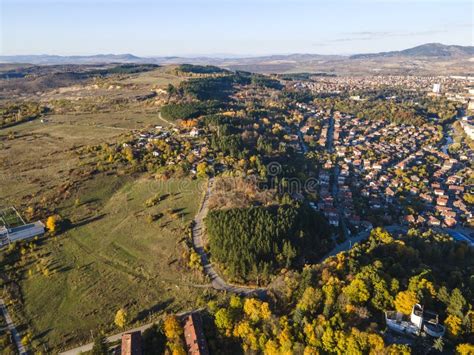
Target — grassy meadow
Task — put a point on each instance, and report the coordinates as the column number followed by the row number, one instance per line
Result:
column 115, row 258
column 117, row 252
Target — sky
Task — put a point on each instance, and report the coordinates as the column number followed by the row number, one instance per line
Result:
column 229, row 27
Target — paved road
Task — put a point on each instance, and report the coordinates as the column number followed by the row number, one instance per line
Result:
column 12, row 329
column 459, row 234
column 348, row 244
column 303, row 145
column 115, row 337
column 217, row 282
column 88, row 347
column 335, row 184
column 330, row 135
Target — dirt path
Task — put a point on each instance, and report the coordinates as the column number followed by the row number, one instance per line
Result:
column 162, row 119
column 11, row 327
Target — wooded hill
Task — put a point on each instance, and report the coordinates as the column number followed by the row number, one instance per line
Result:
column 252, row 243
column 338, row 306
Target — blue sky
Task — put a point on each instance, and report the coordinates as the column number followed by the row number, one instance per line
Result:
column 223, row 27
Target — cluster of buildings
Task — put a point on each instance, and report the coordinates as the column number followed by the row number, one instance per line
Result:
column 439, row 189
column 378, row 168
column 366, row 150
column 394, row 167
column 170, row 146
column 335, row 196
column 193, row 336
column 338, row 84
column 467, row 124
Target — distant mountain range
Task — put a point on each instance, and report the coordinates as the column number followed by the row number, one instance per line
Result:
column 77, row 59
column 425, row 50
column 426, row 59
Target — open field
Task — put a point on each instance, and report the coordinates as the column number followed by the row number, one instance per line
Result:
column 113, row 257
column 49, row 83
column 40, row 156
column 160, row 77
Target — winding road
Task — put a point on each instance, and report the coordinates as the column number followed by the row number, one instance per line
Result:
column 217, row 282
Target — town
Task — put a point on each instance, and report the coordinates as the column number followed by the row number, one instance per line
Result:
column 229, row 197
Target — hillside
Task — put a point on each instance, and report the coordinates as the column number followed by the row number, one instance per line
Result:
column 426, row 59
column 425, row 50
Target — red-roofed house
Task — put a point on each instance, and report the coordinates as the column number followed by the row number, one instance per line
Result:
column 194, row 335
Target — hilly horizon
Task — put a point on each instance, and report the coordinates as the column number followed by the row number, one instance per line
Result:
column 427, row 50
column 424, row 50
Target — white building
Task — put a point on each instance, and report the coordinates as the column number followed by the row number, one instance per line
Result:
column 467, row 124
column 26, row 231
column 420, row 321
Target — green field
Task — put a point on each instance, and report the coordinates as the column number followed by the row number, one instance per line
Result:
column 114, row 258
column 41, row 155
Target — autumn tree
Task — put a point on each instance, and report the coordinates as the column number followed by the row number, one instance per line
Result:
column 256, row 309
column 457, row 303
column 357, row 291
column 223, row 319
column 53, row 222
column 469, row 198
column 310, row 301
column 172, row 328
column 398, row 349
column 465, row 349
column 121, row 318
column 201, row 169
column 404, row 301
column 453, row 326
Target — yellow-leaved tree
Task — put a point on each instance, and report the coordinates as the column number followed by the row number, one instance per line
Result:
column 174, row 331
column 404, row 301
column 121, row 318
column 201, row 169
column 172, row 328
column 52, row 223
column 465, row 349
column 357, row 291
column 223, row 319
column 453, row 326
column 256, row 309
column 311, row 300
